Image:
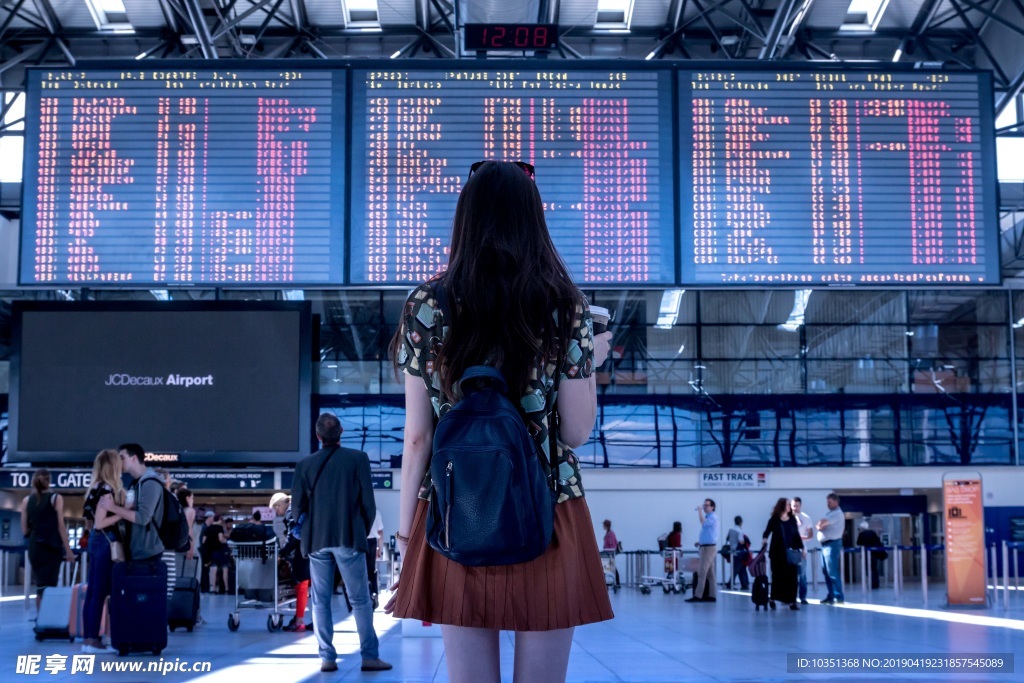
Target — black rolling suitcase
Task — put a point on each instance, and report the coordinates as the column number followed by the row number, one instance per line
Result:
column 759, row 589
column 138, row 607
column 183, row 605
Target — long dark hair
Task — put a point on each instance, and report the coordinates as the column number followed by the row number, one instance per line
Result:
column 780, row 507
column 504, row 281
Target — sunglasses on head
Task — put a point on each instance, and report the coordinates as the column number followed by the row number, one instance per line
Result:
column 522, row 165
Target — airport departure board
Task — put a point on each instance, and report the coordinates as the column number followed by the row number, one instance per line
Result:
column 600, row 142
column 837, row 177
column 195, row 176
column 311, row 174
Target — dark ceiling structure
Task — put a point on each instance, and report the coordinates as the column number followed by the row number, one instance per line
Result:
column 953, row 34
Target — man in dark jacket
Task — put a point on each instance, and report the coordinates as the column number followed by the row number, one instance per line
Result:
column 333, row 488
column 869, row 539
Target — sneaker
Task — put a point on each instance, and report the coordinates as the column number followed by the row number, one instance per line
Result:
column 102, row 650
column 327, row 667
column 710, row 599
column 794, row 606
column 694, row 599
column 840, row 602
column 828, row 601
column 375, row 665
column 803, row 601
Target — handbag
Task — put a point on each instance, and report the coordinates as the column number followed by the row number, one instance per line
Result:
column 794, row 556
column 116, row 548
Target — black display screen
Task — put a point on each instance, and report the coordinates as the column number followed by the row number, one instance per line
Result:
column 510, row 36
column 196, row 383
column 212, row 176
column 835, row 178
column 600, row 141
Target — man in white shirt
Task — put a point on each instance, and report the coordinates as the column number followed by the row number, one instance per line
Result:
column 830, row 535
column 739, row 549
column 806, row 529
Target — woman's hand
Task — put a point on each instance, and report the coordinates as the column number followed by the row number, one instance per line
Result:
column 69, row 556
column 602, row 345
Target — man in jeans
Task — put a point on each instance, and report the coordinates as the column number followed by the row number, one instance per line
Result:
column 707, row 543
column 806, row 530
column 145, row 504
column 333, row 488
column 830, row 535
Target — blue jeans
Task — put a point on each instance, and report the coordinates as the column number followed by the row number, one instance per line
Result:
column 739, row 569
column 831, row 563
column 101, row 571
column 352, row 564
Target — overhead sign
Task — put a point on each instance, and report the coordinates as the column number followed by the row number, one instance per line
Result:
column 728, row 479
column 238, row 480
column 965, row 540
column 59, row 479
column 382, row 479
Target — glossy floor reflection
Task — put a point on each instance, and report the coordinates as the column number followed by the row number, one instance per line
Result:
column 653, row 638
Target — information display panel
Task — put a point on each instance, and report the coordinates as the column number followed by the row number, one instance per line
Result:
column 183, row 176
column 194, row 382
column 601, row 142
column 837, row 178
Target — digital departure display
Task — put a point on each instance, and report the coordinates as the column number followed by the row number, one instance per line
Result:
column 212, row 176
column 675, row 174
column 852, row 177
column 600, row 141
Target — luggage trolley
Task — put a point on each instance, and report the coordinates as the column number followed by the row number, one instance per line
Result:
column 674, row 579
column 263, row 552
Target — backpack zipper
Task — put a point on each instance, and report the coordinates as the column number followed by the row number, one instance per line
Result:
column 448, row 506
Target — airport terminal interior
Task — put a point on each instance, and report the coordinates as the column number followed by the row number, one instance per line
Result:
column 803, row 218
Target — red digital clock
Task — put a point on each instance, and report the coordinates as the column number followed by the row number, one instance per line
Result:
column 510, row 36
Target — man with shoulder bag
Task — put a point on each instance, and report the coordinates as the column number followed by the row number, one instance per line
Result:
column 333, row 488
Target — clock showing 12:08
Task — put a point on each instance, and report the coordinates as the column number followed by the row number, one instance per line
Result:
column 510, row 36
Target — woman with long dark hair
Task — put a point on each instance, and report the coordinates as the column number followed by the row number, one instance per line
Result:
column 785, row 536
column 506, row 300
column 42, row 523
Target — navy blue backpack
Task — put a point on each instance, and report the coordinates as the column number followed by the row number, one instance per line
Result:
column 491, row 502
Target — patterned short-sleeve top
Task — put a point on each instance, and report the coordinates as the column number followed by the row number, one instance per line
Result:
column 423, row 330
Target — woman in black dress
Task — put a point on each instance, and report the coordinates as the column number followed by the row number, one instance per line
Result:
column 785, row 536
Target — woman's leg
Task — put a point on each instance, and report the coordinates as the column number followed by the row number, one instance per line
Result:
column 542, row 656
column 471, row 654
column 213, row 578
column 100, row 568
column 301, row 598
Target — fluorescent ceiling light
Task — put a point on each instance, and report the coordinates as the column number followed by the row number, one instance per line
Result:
column 651, row 56
column 614, row 14
column 398, row 53
column 12, row 151
column 294, row 295
column 1019, row 324
column 897, row 55
column 668, row 313
column 160, row 294
column 361, row 13
column 796, row 316
column 110, row 15
column 865, row 15
column 1010, row 159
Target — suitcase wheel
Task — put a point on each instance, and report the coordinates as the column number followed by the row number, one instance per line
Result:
column 172, row 628
column 39, row 637
column 233, row 622
column 274, row 622
column 189, row 629
column 157, row 651
column 122, row 652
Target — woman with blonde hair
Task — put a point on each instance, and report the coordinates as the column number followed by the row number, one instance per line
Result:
column 106, row 481
column 42, row 523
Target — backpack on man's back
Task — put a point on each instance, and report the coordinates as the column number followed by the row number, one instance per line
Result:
column 173, row 525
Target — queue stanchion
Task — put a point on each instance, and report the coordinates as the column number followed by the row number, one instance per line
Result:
column 1006, row 576
column 993, row 572
column 864, row 578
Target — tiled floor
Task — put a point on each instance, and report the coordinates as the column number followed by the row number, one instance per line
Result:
column 653, row 638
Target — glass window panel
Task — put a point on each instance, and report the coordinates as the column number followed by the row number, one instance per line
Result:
column 860, row 341
column 958, row 433
column 746, row 341
column 631, row 307
column 671, row 377
column 750, row 377
column 956, row 306
column 677, row 342
column 352, row 377
column 851, row 308
column 860, row 376
column 746, row 307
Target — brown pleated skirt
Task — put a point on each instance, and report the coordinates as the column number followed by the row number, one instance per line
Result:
column 564, row 587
